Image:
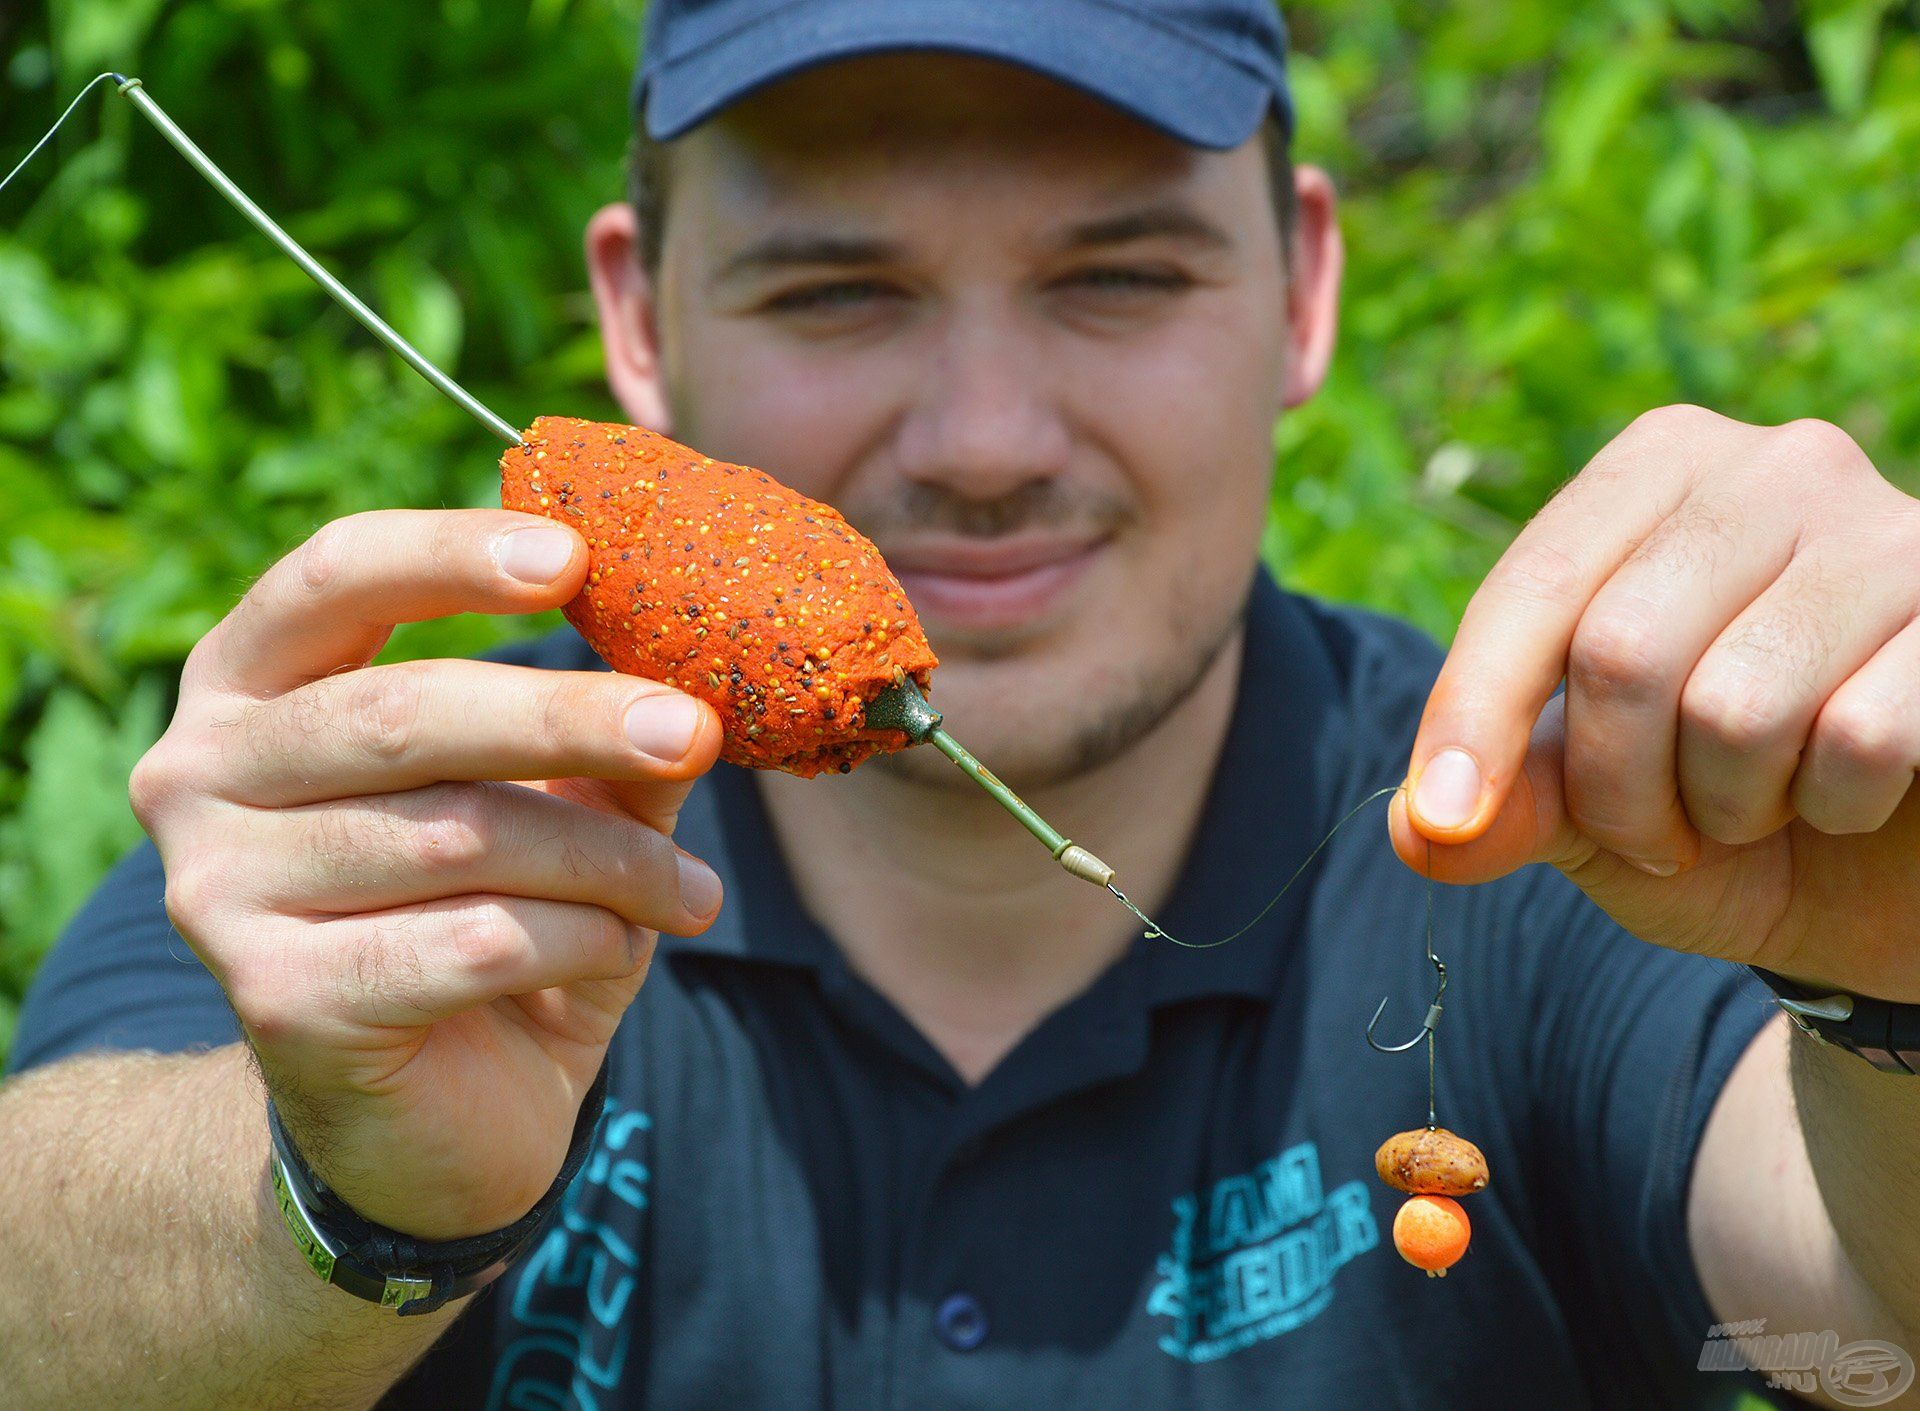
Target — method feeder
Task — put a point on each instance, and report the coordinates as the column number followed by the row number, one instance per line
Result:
column 899, row 707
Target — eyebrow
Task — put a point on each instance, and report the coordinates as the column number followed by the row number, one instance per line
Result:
column 1147, row 223
column 787, row 250
column 794, row 249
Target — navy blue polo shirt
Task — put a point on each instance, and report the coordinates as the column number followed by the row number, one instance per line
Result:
column 1164, row 1196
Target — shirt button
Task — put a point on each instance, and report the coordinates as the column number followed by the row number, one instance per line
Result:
column 961, row 1322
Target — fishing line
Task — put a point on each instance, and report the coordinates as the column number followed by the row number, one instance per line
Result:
column 103, row 78
column 1428, row 1026
column 1156, row 932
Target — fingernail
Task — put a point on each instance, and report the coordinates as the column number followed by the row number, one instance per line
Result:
column 1655, row 869
column 699, row 887
column 663, row 726
column 1449, row 789
column 535, row 555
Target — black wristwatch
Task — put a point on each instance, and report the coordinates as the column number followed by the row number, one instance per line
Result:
column 1886, row 1034
column 397, row 1271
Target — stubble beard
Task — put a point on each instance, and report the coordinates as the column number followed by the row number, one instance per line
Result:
column 1116, row 725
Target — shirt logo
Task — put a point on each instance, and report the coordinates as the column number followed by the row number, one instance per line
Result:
column 1254, row 1255
column 569, row 1330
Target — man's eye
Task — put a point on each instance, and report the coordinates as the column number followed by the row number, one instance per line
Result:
column 830, row 297
column 1124, row 279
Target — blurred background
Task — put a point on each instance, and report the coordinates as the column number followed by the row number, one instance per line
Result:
column 1559, row 213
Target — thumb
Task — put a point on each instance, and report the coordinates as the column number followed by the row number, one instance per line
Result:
column 1529, row 822
column 1532, row 825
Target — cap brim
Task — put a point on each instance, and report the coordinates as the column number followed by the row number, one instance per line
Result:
column 1160, row 76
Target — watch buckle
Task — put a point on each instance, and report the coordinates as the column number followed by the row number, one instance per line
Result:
column 1838, row 1008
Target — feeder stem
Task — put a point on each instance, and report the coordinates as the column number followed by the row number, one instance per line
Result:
column 412, row 356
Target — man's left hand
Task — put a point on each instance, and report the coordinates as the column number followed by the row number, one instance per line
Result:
column 1731, row 769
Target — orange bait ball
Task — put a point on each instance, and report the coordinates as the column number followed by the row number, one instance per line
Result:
column 1431, row 1233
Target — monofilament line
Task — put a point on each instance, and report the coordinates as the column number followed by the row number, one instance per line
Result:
column 1156, row 932
column 57, row 123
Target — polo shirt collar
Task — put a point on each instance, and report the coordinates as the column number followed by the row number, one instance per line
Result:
column 1271, row 799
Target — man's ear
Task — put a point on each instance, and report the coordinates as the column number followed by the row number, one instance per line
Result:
column 623, row 294
column 1313, row 300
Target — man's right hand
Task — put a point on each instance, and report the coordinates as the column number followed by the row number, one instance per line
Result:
column 430, row 889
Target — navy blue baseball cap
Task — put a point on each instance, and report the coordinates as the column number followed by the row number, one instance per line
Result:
column 1203, row 71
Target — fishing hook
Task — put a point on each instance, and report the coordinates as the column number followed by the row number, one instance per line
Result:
column 1427, row 1025
column 1431, row 1023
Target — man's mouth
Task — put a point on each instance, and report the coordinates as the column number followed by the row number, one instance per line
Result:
column 988, row 585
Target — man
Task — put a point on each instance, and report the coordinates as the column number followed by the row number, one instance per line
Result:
column 912, row 1120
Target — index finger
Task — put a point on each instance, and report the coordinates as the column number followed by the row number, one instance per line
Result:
column 331, row 604
column 1511, row 650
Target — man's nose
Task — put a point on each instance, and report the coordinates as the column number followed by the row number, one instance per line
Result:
column 987, row 418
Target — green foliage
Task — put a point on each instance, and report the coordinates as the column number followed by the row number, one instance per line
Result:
column 1558, row 215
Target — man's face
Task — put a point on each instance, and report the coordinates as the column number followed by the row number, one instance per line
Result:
column 1032, row 348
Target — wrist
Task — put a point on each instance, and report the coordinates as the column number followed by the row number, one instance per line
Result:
column 381, row 1265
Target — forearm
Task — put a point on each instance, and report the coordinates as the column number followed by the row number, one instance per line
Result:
column 142, row 1260
column 1861, row 1128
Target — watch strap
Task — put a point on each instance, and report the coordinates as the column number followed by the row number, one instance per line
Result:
column 396, row 1270
column 1884, row 1033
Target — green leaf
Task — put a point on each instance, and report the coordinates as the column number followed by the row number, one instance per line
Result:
column 1843, row 40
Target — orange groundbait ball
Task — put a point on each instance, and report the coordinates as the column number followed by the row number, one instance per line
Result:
column 1431, row 1233
column 724, row 583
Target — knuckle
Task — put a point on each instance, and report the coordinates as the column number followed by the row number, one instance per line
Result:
column 1813, row 444
column 608, row 944
column 1662, row 430
column 641, row 863
column 1674, row 419
column 190, row 895
column 318, row 562
column 483, row 940
column 1616, row 656
column 1864, row 733
column 451, row 547
column 152, row 784
column 383, row 710
column 1734, row 708
column 569, row 706
column 1540, row 569
column 458, row 831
